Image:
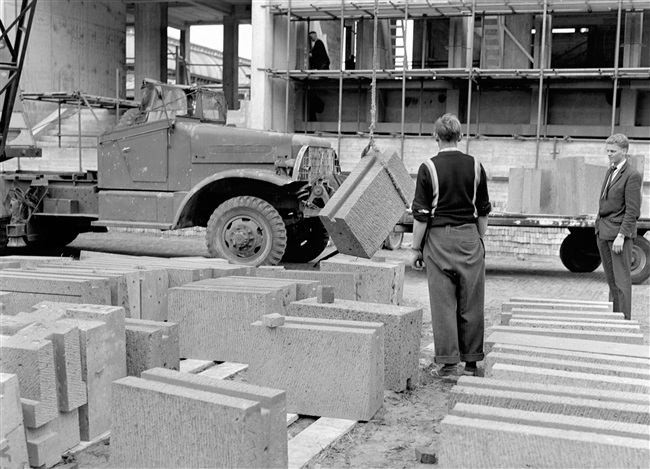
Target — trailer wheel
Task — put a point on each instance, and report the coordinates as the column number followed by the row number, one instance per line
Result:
column 579, row 252
column 306, row 240
column 246, row 230
column 393, row 241
column 640, row 260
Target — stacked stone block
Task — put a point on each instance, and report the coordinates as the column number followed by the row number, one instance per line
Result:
column 151, row 344
column 347, row 285
column 369, row 203
column 170, row 419
column 384, row 281
column 328, row 368
column 13, row 447
column 402, row 328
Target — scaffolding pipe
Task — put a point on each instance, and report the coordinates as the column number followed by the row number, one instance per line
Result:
column 117, row 96
column 616, row 53
column 470, row 61
column 540, row 93
column 286, row 88
column 79, row 124
column 404, row 66
column 338, row 148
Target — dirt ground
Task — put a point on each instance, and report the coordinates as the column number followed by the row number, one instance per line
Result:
column 410, row 419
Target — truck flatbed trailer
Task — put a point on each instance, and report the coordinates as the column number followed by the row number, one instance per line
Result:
column 578, row 251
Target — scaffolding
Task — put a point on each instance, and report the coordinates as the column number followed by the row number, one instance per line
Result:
column 543, row 75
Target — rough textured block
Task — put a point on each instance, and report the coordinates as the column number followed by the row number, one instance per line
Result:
column 32, row 361
column 304, row 288
column 214, row 324
column 507, row 444
column 315, row 359
column 542, row 301
column 583, row 357
column 584, row 404
column 506, row 336
column 151, row 344
column 524, row 190
column 402, row 329
column 384, row 280
column 558, row 314
column 568, row 378
column 288, row 288
column 564, row 363
column 13, row 446
column 163, row 425
column 509, row 305
column 619, row 337
column 272, row 401
column 325, row 294
column 46, row 444
column 273, row 320
column 356, row 222
column 347, row 286
column 35, row 286
column 8, row 303
column 618, row 326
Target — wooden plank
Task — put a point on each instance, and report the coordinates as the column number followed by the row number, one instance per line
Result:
column 224, row 370
column 195, row 366
column 320, row 435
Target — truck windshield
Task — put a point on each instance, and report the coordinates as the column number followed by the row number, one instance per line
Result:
column 165, row 103
column 213, row 107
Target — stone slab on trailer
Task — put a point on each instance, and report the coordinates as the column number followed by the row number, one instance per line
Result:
column 347, row 285
column 328, row 368
column 371, row 200
column 215, row 323
column 272, row 401
column 384, row 280
column 12, row 432
column 151, row 344
column 165, row 425
column 402, row 329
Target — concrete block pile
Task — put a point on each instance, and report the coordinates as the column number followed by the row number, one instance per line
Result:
column 356, row 222
column 172, row 419
column 552, row 399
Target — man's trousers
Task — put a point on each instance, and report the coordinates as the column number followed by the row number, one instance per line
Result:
column 618, row 269
column 455, row 260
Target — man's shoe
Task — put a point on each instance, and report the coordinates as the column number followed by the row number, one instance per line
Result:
column 470, row 371
column 446, row 371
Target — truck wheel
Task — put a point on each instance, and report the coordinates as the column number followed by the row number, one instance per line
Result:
column 393, row 241
column 579, row 252
column 128, row 118
column 640, row 260
column 55, row 238
column 306, row 240
column 246, row 230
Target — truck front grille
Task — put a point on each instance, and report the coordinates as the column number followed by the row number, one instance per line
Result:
column 314, row 163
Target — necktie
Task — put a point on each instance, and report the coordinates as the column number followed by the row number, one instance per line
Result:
column 608, row 181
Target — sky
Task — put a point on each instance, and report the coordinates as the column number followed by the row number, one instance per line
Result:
column 212, row 37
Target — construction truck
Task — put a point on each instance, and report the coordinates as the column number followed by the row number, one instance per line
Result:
column 174, row 163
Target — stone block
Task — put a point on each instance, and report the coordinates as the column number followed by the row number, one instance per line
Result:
column 545, row 376
column 328, row 368
column 8, row 304
column 214, row 323
column 356, row 222
column 558, row 314
column 13, row 447
column 325, row 294
column 286, row 287
column 498, row 443
column 273, row 320
column 565, row 363
column 524, row 190
column 578, row 334
column 32, row 361
column 272, row 401
column 402, row 329
column 158, row 424
column 347, row 286
column 304, row 288
column 384, row 280
column 603, row 308
column 46, row 444
column 618, row 326
column 536, row 398
column 506, row 336
column 543, row 301
column 151, row 344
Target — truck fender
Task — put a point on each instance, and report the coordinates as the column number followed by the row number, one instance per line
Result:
column 188, row 204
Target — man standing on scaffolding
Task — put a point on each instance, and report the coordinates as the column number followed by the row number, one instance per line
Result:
column 318, row 58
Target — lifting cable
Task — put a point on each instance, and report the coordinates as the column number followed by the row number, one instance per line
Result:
column 373, row 84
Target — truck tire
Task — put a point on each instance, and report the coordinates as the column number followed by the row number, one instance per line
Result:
column 393, row 241
column 579, row 252
column 246, row 230
column 640, row 260
column 128, row 118
column 55, row 237
column 306, row 240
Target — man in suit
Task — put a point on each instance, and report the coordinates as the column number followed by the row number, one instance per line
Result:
column 618, row 211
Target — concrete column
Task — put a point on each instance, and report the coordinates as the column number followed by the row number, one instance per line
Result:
column 230, row 76
column 627, row 109
column 182, row 70
column 150, row 43
column 538, row 40
column 458, row 42
column 632, row 41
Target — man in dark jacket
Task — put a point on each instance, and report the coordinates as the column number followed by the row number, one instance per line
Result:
column 618, row 211
column 318, row 58
column 450, row 212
